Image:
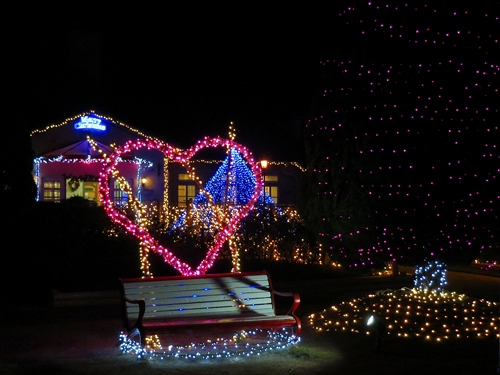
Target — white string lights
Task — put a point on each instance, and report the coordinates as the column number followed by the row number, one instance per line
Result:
column 243, row 343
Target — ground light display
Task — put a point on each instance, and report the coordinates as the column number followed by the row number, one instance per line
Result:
column 421, row 312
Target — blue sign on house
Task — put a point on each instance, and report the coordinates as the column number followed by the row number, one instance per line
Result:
column 90, row 123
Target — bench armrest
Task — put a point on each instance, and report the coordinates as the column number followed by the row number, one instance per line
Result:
column 142, row 309
column 296, row 300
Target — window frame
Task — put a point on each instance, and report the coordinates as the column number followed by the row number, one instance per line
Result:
column 53, row 180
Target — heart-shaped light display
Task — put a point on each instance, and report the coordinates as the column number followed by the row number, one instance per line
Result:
column 184, row 157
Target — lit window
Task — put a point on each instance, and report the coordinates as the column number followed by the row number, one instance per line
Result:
column 77, row 187
column 270, row 178
column 185, row 194
column 120, row 198
column 272, row 191
column 90, row 190
column 52, row 190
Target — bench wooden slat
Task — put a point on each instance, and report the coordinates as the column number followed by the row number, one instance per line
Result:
column 162, row 282
column 185, row 310
column 197, row 293
column 207, row 300
column 244, row 299
column 191, row 288
column 263, row 303
column 209, row 311
column 202, row 297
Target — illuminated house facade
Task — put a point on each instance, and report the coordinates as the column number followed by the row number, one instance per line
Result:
column 70, row 156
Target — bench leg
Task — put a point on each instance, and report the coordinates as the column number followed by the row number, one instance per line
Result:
column 138, row 331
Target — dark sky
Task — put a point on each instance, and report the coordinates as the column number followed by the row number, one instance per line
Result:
column 179, row 71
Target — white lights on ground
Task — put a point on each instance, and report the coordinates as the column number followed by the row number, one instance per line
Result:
column 243, row 344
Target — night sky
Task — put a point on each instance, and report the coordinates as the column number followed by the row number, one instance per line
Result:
column 180, row 72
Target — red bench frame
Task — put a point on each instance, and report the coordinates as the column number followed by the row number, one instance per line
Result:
column 226, row 300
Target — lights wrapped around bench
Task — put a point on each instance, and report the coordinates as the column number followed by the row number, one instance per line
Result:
column 229, row 302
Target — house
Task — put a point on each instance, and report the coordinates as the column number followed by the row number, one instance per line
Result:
column 70, row 156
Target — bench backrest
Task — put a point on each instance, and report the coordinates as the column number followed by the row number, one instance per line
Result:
column 209, row 295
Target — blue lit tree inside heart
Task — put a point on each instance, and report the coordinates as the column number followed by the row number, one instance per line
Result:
column 232, row 184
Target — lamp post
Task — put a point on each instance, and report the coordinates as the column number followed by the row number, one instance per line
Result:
column 263, row 164
column 376, row 325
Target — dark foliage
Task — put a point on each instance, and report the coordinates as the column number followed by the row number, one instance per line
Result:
column 68, row 246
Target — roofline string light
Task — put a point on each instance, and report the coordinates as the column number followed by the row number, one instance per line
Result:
column 92, row 113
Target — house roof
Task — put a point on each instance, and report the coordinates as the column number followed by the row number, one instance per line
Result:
column 82, row 149
column 54, row 137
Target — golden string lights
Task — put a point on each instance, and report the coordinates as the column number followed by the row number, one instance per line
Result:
column 91, row 113
column 413, row 313
column 426, row 311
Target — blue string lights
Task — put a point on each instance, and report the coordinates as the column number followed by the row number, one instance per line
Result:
column 430, row 277
column 231, row 186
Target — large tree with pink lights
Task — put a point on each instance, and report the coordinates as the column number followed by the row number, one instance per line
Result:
column 402, row 147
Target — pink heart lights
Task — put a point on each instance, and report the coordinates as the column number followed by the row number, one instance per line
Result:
column 183, row 157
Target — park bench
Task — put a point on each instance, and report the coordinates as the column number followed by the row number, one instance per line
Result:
column 229, row 301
